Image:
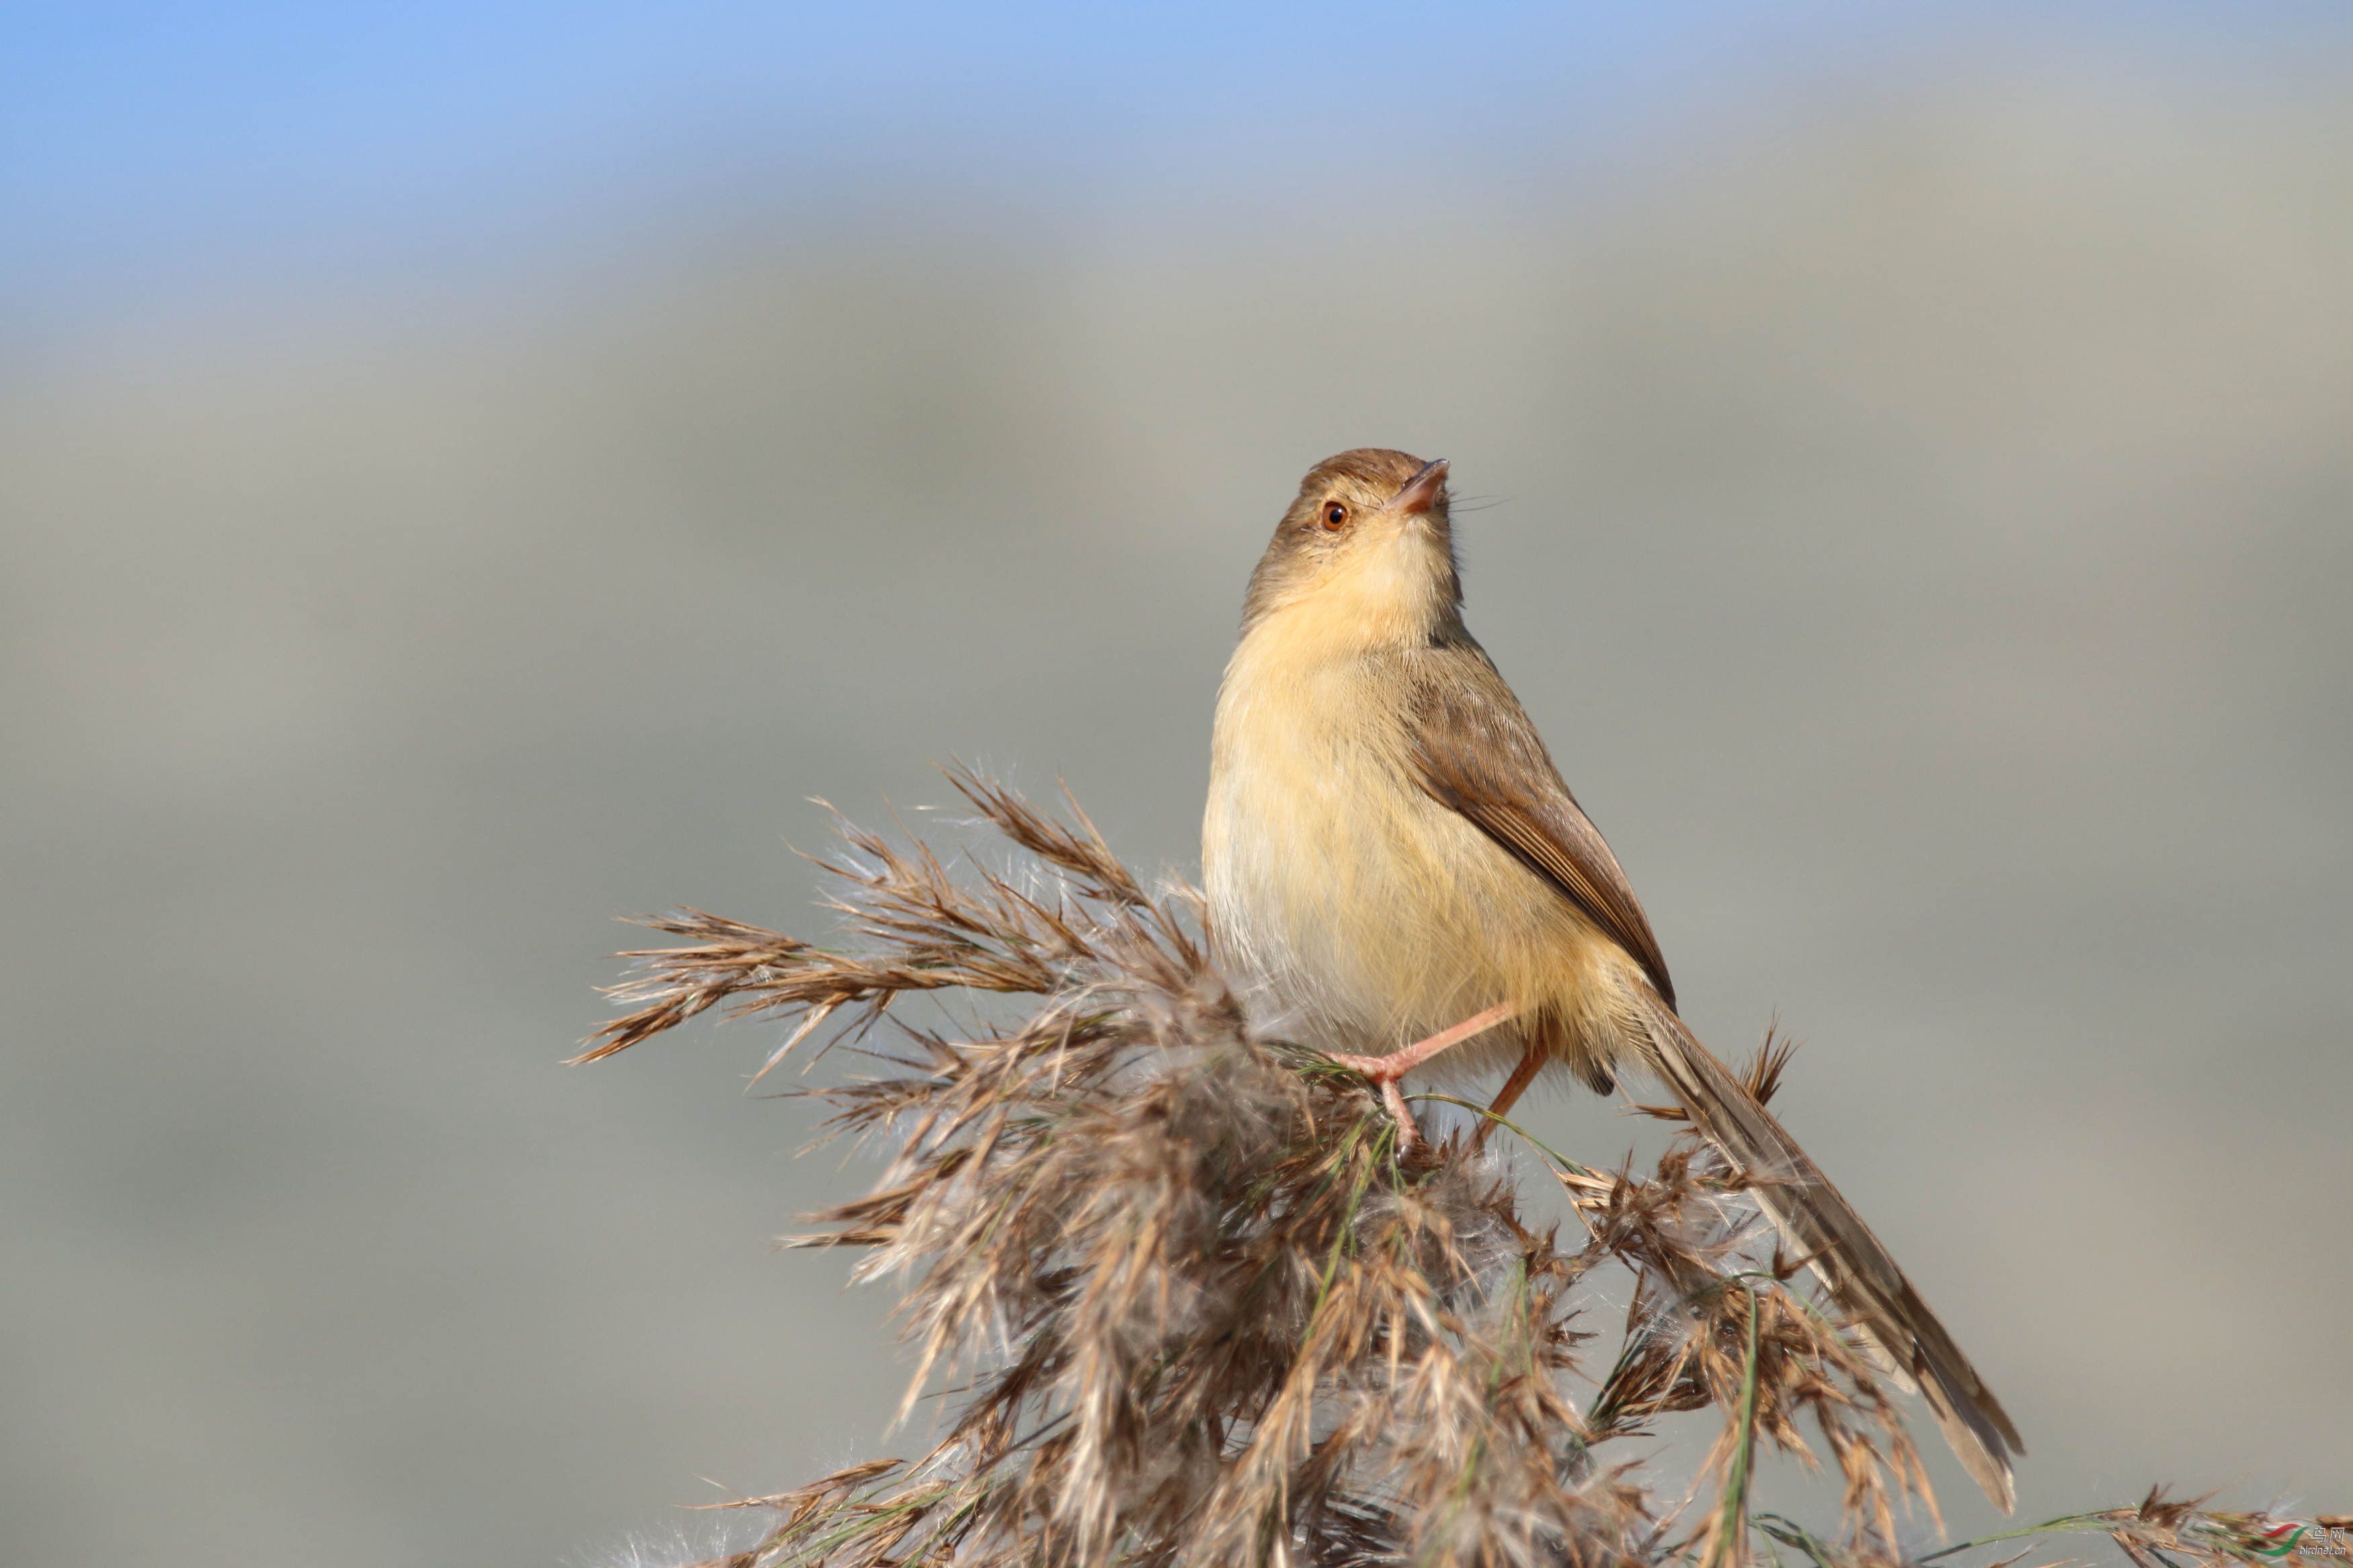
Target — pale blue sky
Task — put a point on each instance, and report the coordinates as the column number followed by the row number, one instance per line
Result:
column 158, row 153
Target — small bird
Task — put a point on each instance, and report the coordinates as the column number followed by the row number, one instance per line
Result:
column 1392, row 861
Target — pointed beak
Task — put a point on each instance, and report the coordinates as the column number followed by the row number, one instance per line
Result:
column 1422, row 491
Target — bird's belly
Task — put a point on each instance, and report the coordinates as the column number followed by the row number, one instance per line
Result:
column 1366, row 914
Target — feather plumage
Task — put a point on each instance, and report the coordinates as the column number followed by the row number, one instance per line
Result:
column 1388, row 850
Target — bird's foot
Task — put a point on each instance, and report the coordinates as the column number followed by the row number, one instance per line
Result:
column 1387, row 1070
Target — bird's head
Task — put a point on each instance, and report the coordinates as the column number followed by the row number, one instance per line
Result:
column 1366, row 549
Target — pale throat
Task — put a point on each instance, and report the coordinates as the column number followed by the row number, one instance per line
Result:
column 1388, row 593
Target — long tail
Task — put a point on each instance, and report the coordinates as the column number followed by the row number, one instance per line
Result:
column 1821, row 1224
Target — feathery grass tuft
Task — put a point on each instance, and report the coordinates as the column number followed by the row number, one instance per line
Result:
column 1199, row 1308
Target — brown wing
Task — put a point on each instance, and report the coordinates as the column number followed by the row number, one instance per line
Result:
column 1477, row 753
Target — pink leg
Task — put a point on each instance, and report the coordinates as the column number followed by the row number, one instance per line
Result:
column 1385, row 1070
column 1513, row 1086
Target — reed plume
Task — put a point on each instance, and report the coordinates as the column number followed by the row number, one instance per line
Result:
column 1194, row 1305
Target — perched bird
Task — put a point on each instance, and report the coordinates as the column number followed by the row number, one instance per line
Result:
column 1395, row 866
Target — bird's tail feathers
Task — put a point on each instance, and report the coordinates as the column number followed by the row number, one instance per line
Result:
column 1818, row 1222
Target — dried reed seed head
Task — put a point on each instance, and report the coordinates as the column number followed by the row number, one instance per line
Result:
column 1198, row 1310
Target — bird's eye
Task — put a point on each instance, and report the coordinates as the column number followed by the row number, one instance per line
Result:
column 1335, row 516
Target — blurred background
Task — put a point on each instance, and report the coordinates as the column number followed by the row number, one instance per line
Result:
column 468, row 472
